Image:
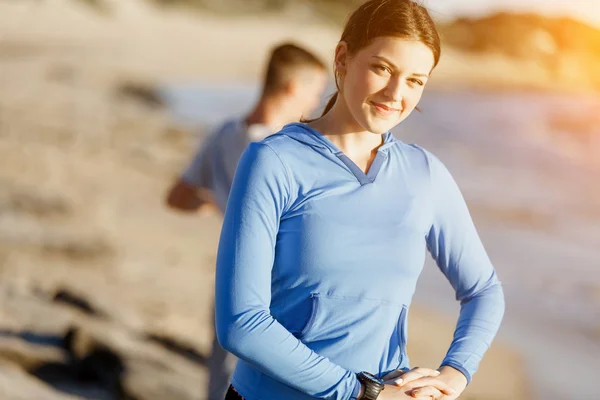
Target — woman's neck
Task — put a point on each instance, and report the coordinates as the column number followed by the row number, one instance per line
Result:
column 341, row 129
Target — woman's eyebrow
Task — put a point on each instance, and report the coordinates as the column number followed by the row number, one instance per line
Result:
column 424, row 75
column 386, row 61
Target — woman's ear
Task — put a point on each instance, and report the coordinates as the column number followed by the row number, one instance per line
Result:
column 291, row 87
column 341, row 58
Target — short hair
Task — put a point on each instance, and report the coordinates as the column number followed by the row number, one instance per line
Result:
column 285, row 60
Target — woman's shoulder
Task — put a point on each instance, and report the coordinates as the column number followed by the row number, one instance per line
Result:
column 414, row 154
column 292, row 138
column 422, row 162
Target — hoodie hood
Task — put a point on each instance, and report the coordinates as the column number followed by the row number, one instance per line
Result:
column 307, row 135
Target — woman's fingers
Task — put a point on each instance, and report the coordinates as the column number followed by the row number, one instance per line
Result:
column 414, row 374
column 435, row 383
column 427, row 392
column 393, row 375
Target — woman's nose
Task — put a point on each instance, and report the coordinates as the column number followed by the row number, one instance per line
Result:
column 394, row 91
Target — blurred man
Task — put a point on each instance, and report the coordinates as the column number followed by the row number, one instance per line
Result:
column 294, row 82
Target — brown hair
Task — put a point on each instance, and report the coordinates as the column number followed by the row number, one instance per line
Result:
column 395, row 18
column 285, row 60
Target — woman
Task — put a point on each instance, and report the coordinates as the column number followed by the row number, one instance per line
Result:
column 325, row 230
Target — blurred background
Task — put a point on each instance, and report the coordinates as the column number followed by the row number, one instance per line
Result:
column 106, row 294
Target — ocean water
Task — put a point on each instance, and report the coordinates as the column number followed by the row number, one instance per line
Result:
column 528, row 165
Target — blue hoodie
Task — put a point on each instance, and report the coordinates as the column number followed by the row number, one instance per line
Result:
column 318, row 262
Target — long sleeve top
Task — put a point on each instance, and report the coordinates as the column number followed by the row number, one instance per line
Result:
column 318, row 262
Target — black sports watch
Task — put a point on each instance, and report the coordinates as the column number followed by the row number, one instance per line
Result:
column 373, row 385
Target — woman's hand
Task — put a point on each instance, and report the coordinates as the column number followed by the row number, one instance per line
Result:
column 447, row 383
column 400, row 377
column 455, row 379
column 393, row 392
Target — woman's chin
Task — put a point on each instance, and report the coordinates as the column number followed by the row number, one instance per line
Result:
column 380, row 126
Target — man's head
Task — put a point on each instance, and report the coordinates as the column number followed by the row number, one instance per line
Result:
column 295, row 76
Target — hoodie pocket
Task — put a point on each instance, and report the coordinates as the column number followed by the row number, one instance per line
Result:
column 311, row 318
column 356, row 333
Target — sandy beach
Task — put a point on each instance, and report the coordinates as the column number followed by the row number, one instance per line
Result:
column 86, row 154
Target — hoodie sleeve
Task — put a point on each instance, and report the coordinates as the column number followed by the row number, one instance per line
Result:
column 459, row 253
column 260, row 194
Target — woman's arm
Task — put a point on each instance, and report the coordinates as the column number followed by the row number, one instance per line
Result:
column 455, row 245
column 260, row 194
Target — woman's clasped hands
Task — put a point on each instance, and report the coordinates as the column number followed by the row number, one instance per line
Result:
column 423, row 384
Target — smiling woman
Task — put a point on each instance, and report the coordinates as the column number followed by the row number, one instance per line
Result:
column 325, row 233
column 412, row 25
column 384, row 82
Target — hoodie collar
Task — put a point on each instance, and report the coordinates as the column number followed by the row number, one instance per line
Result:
column 314, row 138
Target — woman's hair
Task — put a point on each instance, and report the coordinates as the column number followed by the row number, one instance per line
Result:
column 396, row 18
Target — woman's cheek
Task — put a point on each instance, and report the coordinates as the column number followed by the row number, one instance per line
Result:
column 412, row 100
column 366, row 83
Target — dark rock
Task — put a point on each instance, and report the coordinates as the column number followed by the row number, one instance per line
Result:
column 179, row 348
column 92, row 370
column 75, row 248
column 144, row 94
column 66, row 297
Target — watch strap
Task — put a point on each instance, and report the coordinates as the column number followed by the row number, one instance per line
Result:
column 372, row 386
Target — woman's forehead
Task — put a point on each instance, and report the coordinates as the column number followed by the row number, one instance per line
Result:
column 400, row 52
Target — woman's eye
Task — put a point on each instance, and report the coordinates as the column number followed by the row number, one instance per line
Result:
column 382, row 68
column 416, row 81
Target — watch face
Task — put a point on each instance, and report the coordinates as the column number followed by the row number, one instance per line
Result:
column 370, row 377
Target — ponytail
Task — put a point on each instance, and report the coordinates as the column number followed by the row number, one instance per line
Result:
column 327, row 108
column 330, row 103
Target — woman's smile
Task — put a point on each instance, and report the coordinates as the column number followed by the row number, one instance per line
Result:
column 384, row 110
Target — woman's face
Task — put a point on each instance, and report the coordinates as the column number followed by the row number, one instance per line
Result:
column 383, row 82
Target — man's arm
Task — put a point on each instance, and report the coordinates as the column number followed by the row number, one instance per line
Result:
column 188, row 198
column 192, row 191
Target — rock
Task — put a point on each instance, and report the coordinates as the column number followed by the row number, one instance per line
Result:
column 100, row 371
column 178, row 347
column 15, row 384
column 19, row 349
column 67, row 297
column 29, row 201
column 521, row 35
column 567, row 49
column 144, row 94
column 82, row 355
